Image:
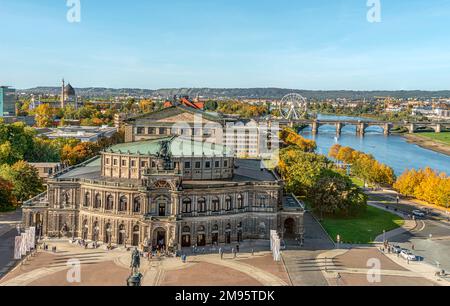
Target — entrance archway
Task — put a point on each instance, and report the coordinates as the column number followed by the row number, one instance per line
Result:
column 289, row 228
column 135, row 241
column 201, row 237
column 215, row 235
column 122, row 235
column 186, row 240
column 186, row 237
column 159, row 237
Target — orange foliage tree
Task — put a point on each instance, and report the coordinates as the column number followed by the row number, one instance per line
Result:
column 425, row 184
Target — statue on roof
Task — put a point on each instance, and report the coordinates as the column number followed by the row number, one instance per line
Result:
column 165, row 154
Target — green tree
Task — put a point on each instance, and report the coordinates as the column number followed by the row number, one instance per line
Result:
column 24, row 178
column 334, row 194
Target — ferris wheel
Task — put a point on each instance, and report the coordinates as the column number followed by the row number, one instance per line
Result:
column 293, row 106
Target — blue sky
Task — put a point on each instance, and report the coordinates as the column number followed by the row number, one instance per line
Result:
column 304, row 44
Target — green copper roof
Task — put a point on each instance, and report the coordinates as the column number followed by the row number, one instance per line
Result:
column 178, row 147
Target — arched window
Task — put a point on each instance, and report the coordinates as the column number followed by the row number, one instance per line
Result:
column 87, row 199
column 187, row 206
column 240, row 201
column 109, row 202
column 137, row 205
column 98, row 201
column 202, row 205
column 215, row 228
column 186, row 229
column 228, row 228
column 123, row 204
column 201, row 229
column 229, row 203
column 215, row 204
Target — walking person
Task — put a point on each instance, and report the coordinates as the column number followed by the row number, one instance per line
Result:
column 221, row 253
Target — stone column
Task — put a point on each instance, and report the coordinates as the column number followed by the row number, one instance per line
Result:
column 387, row 129
column 315, row 127
column 438, row 128
column 361, row 129
column 339, row 127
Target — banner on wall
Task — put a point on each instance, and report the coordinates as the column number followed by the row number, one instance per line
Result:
column 17, row 248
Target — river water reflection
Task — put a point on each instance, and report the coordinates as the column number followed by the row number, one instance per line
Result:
column 392, row 150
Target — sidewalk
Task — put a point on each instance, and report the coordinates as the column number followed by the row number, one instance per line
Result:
column 421, row 268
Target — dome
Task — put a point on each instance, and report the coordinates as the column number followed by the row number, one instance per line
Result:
column 69, row 91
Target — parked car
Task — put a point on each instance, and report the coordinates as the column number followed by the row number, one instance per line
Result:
column 418, row 214
column 396, row 249
column 408, row 255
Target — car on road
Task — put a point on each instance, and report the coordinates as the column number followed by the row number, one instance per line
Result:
column 396, row 249
column 418, row 214
column 408, row 255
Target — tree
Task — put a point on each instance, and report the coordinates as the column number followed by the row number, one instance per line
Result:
column 73, row 155
column 426, row 185
column 211, row 105
column 290, row 137
column 16, row 142
column 44, row 116
column 334, row 151
column 334, row 194
column 300, row 170
column 24, row 178
column 7, row 199
column 45, row 150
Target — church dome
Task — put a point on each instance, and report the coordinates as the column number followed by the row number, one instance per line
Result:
column 69, row 91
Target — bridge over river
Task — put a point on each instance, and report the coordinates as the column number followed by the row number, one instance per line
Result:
column 361, row 126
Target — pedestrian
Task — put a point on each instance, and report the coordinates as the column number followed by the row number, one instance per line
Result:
column 221, row 253
column 407, row 260
column 413, row 247
column 237, row 248
column 398, row 199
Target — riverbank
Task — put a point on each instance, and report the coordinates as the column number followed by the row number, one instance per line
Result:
column 428, row 143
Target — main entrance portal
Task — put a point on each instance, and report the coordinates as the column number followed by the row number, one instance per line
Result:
column 159, row 238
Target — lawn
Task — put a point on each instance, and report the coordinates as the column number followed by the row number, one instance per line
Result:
column 363, row 229
column 442, row 137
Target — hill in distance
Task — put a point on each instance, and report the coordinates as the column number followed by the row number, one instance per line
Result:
column 249, row 93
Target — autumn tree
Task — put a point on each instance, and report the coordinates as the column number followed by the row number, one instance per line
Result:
column 24, row 178
column 425, row 184
column 290, row 137
column 44, row 116
column 7, row 199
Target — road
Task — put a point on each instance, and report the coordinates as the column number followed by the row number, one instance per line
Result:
column 8, row 232
column 435, row 248
column 301, row 262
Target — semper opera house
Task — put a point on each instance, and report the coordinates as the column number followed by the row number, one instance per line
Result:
column 166, row 191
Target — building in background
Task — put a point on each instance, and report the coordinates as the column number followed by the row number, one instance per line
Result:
column 7, row 101
column 246, row 139
column 82, row 133
column 68, row 96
